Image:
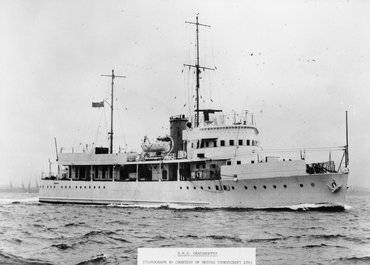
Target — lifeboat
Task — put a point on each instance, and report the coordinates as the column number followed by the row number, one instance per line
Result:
column 161, row 145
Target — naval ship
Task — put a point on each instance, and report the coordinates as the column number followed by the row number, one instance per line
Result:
column 207, row 160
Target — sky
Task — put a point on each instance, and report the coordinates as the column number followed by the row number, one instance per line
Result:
column 297, row 65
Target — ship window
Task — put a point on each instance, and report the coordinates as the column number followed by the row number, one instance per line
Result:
column 222, row 143
column 301, row 185
column 285, row 186
column 238, row 162
column 245, row 187
column 274, row 186
column 255, row 187
column 80, row 187
column 89, row 187
column 252, row 161
column 195, row 188
column 240, row 142
column 69, row 186
column 201, row 187
column 228, row 163
column 215, row 144
column 248, row 142
column 264, row 186
column 61, row 187
column 76, row 187
column 98, row 187
column 207, row 144
column 216, row 187
column 103, row 187
column 231, row 142
column 85, row 187
column 313, row 184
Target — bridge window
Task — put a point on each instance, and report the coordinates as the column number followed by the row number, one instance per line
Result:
column 238, row 162
column 248, row 142
column 240, row 142
column 231, row 142
column 222, row 143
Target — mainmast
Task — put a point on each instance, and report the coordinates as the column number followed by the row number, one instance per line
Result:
column 111, row 110
column 197, row 68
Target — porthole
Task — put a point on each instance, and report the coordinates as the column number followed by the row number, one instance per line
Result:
column 69, row 186
column 54, row 187
column 313, row 184
column 285, row 186
column 80, row 187
column 233, row 187
column 216, row 187
column 255, row 187
column 201, row 187
column 195, row 188
column 76, row 187
column 180, row 188
column 61, row 187
column 85, row 187
column 98, row 187
column 89, row 187
column 103, row 187
column 94, row 187
column 274, row 186
column 187, row 188
column 264, row 186
column 301, row 185
column 209, row 187
column 245, row 187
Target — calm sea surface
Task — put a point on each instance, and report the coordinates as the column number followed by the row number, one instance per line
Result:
column 35, row 233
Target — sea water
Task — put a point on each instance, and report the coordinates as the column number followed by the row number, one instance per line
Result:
column 40, row 233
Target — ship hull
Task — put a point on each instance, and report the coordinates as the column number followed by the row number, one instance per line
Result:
column 275, row 192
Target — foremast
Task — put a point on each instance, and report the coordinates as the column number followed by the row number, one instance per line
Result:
column 197, row 67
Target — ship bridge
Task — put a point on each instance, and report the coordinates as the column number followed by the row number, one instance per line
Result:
column 223, row 136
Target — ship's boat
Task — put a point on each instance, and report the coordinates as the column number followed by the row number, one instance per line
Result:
column 161, row 145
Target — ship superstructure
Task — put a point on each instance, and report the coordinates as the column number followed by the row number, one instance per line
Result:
column 209, row 160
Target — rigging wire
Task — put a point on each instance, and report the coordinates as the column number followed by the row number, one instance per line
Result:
column 121, row 123
column 99, row 128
